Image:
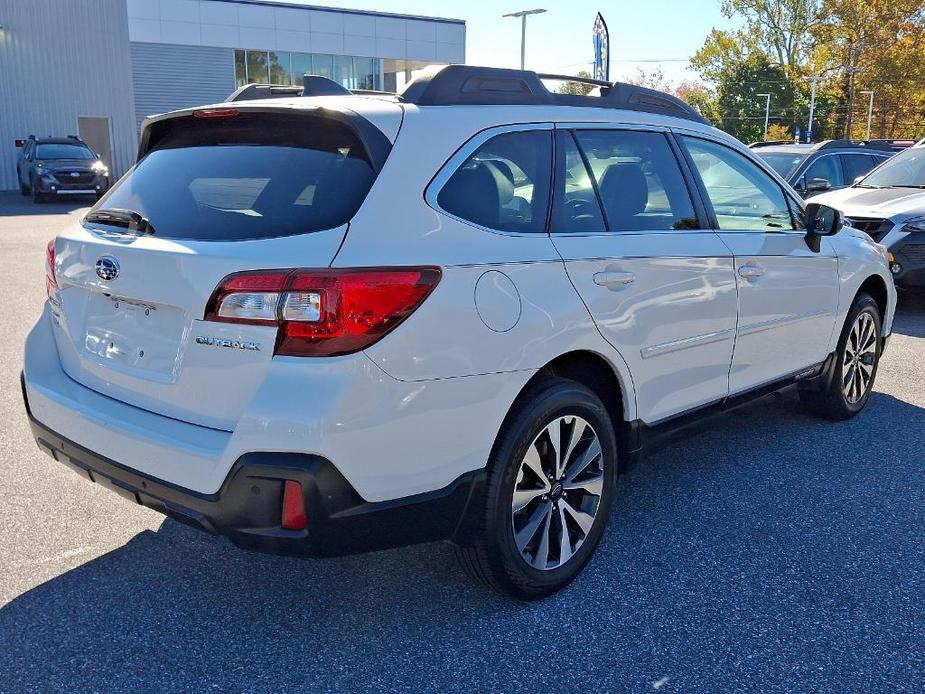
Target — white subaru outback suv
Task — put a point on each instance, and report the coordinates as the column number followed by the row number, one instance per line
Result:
column 329, row 322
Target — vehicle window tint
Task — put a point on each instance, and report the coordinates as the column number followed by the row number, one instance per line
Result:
column 743, row 196
column 505, row 184
column 638, row 179
column 857, row 165
column 62, row 151
column 826, row 167
column 576, row 206
column 253, row 176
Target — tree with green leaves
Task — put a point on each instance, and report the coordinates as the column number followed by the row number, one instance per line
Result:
column 577, row 88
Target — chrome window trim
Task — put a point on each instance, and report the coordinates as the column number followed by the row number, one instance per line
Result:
column 432, row 192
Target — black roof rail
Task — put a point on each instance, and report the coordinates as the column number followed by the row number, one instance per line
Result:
column 263, row 91
column 312, row 85
column 459, row 85
column 771, row 143
column 853, row 144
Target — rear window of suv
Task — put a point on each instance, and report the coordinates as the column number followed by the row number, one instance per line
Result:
column 251, row 176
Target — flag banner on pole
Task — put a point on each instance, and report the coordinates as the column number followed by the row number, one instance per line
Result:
column 601, row 49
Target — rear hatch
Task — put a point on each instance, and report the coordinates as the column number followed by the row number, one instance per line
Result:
column 215, row 192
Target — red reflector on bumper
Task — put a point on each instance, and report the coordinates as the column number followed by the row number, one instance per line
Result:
column 293, row 515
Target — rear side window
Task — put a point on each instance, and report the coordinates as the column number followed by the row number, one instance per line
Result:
column 252, row 176
column 504, row 185
column 639, row 181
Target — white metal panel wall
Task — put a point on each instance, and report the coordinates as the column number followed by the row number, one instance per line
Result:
column 168, row 77
column 60, row 59
column 270, row 26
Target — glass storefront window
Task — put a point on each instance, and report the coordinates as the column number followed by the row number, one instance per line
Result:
column 343, row 71
column 363, row 73
column 323, row 65
column 279, row 67
column 257, row 71
column 301, row 65
column 284, row 68
column 240, row 69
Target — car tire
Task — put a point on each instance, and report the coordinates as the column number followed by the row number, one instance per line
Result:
column 528, row 521
column 23, row 188
column 854, row 370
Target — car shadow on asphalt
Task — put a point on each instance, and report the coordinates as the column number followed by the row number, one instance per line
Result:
column 15, row 205
column 772, row 550
column 910, row 313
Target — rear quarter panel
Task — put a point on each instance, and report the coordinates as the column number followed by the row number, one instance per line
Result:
column 446, row 337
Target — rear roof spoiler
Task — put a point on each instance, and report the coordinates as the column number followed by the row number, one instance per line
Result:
column 374, row 141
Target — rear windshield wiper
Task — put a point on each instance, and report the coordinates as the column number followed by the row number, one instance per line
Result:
column 130, row 219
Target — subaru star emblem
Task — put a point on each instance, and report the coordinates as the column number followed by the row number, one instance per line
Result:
column 107, row 268
column 75, row 174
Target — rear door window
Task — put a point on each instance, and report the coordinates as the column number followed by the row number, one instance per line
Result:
column 252, row 176
column 504, row 184
column 576, row 207
column 638, row 179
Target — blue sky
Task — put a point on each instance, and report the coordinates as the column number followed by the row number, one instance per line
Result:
column 560, row 39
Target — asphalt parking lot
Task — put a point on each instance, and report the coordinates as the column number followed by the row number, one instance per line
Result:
column 774, row 552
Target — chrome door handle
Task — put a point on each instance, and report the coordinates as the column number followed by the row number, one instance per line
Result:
column 610, row 279
column 750, row 271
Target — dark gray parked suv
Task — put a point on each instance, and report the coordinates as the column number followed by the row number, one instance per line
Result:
column 53, row 166
column 830, row 165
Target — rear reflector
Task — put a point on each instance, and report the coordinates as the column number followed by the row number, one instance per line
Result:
column 323, row 312
column 293, row 513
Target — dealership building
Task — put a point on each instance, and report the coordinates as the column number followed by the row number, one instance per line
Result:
column 97, row 68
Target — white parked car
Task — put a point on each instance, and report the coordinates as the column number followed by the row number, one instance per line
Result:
column 332, row 323
column 889, row 204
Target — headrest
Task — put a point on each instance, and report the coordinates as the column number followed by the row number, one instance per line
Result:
column 480, row 190
column 624, row 188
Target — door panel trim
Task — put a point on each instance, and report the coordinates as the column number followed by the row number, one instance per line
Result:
column 779, row 322
column 685, row 343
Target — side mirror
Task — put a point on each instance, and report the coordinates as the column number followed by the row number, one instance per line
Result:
column 817, row 185
column 821, row 220
column 858, row 179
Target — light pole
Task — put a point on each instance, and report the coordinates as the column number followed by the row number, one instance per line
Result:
column 523, row 30
column 812, row 106
column 767, row 113
column 870, row 111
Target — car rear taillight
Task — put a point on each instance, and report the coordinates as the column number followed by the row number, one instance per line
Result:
column 323, row 312
column 51, row 279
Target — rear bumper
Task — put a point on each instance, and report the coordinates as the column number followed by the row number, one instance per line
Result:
column 246, row 509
